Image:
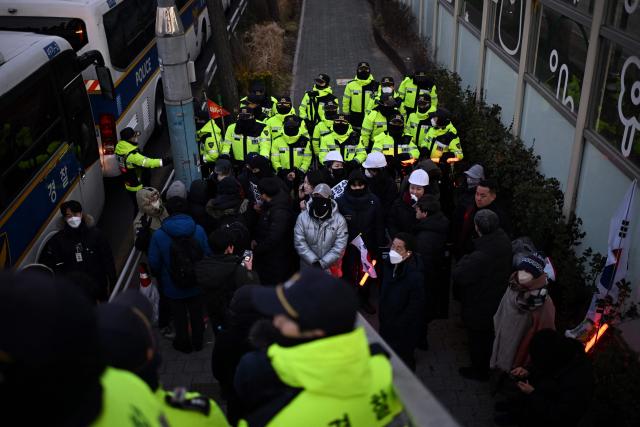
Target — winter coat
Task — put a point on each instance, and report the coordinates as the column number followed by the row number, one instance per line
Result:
column 385, row 188
column 364, row 216
column 148, row 219
column 179, row 225
column 463, row 228
column 199, row 193
column 219, row 276
column 322, row 241
column 84, row 249
column 401, row 216
column 274, row 256
column 402, row 303
column 229, row 205
column 481, row 278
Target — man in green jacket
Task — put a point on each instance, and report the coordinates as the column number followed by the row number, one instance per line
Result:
column 312, row 105
column 358, row 93
column 321, row 370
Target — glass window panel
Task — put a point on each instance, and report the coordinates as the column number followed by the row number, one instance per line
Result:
column 508, row 26
column 618, row 113
column 445, row 38
column 500, row 81
column 468, row 57
column 561, row 55
column 472, row 12
column 625, row 16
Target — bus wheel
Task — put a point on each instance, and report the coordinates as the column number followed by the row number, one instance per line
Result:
column 160, row 112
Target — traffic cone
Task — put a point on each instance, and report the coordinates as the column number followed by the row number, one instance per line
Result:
column 143, row 274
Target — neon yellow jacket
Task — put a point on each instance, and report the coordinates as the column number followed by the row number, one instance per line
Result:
column 179, row 416
column 385, row 144
column 130, row 161
column 212, row 146
column 409, row 93
column 312, row 104
column 268, row 111
column 291, row 152
column 342, row 384
column 349, row 146
column 374, row 101
column 276, row 123
column 440, row 141
column 321, row 129
column 417, row 125
column 373, row 125
column 357, row 95
column 128, row 402
column 239, row 144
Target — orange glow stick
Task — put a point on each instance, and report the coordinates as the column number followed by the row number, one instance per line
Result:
column 595, row 338
column 366, row 275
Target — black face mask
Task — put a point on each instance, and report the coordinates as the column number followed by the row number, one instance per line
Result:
column 363, row 75
column 291, row 130
column 320, row 207
column 395, row 130
column 357, row 193
column 420, row 80
column 283, row 109
column 423, row 108
column 330, row 114
column 340, row 128
column 338, row 173
column 387, row 111
column 243, row 125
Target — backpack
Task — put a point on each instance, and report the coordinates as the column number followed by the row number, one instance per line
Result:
column 184, row 253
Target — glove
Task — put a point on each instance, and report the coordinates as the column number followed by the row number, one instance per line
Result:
column 166, row 161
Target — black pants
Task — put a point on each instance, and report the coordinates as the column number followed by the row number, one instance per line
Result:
column 188, row 311
column 480, row 348
column 132, row 196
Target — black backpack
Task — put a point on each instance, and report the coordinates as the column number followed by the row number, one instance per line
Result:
column 184, row 253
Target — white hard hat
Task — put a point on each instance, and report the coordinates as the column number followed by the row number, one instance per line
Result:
column 333, row 156
column 375, row 160
column 419, row 177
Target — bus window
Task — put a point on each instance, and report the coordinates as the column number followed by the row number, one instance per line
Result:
column 72, row 30
column 80, row 122
column 129, row 28
column 31, row 132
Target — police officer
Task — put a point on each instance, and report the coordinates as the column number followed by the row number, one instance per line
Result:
column 414, row 86
column 284, row 108
column 358, row 93
column 344, row 140
column 375, row 122
column 291, row 152
column 245, row 136
column 313, row 102
column 323, row 372
column 324, row 126
column 394, row 144
column 419, row 122
column 258, row 99
column 442, row 137
column 131, row 162
column 210, row 144
column 387, row 87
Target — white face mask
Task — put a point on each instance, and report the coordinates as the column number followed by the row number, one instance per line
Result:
column 368, row 173
column 156, row 204
column 433, row 122
column 74, row 221
column 524, row 276
column 387, row 89
column 395, row 257
column 414, row 199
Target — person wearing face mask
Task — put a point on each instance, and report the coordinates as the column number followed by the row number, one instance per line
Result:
column 310, row 181
column 442, row 137
column 291, row 152
column 246, row 136
column 81, row 247
column 364, row 215
column 284, row 108
column 324, row 126
column 258, row 96
column 394, row 144
column 256, row 168
column 344, row 140
column 334, row 165
column 387, row 87
column 210, row 141
column 402, row 298
column 414, row 86
column 312, row 105
column 379, row 181
column 358, row 93
column 402, row 216
column 375, row 122
column 419, row 122
column 320, row 233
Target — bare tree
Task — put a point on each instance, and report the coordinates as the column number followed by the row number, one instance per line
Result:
column 220, row 36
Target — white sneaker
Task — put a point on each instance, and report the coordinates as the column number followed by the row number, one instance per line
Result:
column 168, row 332
column 582, row 332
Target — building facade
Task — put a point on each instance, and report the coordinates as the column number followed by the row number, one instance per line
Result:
column 567, row 76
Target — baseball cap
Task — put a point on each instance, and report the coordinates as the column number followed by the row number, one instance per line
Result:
column 476, row 171
column 245, row 113
column 419, row 177
column 314, row 299
column 375, row 160
column 128, row 133
column 333, row 156
column 323, row 190
column 285, row 100
column 397, row 119
column 387, row 81
column 363, row 65
column 323, row 79
column 223, row 166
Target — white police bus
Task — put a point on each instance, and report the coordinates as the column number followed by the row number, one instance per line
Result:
column 124, row 32
column 48, row 147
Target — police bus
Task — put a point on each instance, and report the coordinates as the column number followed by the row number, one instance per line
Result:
column 48, row 147
column 124, row 32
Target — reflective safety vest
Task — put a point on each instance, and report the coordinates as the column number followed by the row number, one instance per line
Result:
column 212, row 145
column 349, row 145
column 373, row 103
column 130, row 161
column 291, row 152
column 342, row 384
column 321, row 129
column 417, row 125
column 128, row 402
column 312, row 104
column 391, row 147
column 194, row 409
column 373, row 125
column 440, row 141
column 409, row 93
column 357, row 95
column 276, row 123
column 241, row 145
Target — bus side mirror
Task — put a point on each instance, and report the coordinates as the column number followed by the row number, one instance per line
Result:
column 106, row 83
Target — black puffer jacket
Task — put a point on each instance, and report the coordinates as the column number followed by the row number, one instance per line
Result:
column 383, row 186
column 364, row 216
column 481, row 278
column 275, row 259
column 199, row 193
column 401, row 216
column 431, row 236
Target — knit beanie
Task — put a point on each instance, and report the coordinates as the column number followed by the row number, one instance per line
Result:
column 177, row 189
column 533, row 263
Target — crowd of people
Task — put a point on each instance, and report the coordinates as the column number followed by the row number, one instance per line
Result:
column 304, row 216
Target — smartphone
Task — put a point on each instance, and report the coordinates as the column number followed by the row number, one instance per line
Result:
column 247, row 255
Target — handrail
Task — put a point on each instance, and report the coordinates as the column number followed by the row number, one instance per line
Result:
column 420, row 404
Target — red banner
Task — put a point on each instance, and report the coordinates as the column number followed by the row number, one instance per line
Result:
column 216, row 111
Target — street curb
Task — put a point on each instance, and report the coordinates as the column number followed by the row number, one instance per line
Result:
column 390, row 52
